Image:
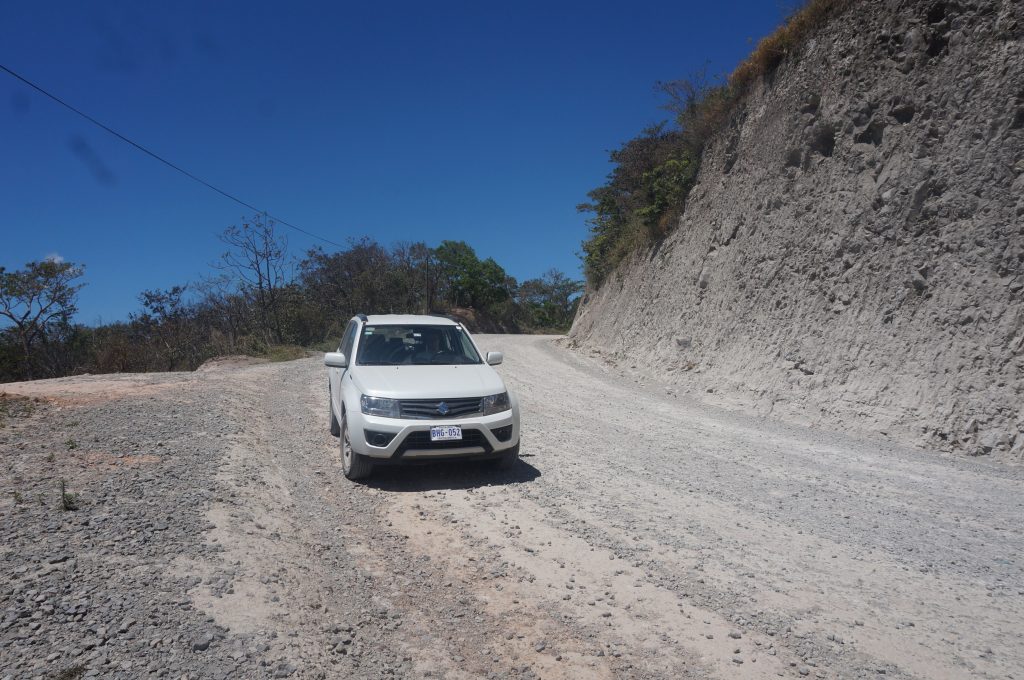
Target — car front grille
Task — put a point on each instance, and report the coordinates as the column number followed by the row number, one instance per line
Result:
column 421, row 441
column 428, row 409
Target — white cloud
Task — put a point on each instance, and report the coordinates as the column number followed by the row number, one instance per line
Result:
column 54, row 257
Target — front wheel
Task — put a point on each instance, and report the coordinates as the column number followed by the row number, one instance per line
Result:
column 508, row 459
column 354, row 465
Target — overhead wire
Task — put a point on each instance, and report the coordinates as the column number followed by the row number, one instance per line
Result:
column 164, row 160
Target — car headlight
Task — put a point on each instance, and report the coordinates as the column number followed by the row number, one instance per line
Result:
column 379, row 406
column 496, row 403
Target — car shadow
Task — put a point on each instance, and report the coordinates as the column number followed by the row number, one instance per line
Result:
column 448, row 475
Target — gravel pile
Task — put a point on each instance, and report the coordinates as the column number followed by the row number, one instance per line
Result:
column 99, row 582
column 88, row 585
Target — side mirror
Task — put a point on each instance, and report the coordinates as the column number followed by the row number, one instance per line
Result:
column 495, row 358
column 335, row 360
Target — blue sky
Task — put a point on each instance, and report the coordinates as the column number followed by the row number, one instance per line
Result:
column 481, row 122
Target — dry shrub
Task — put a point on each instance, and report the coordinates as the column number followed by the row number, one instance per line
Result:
column 770, row 52
column 711, row 116
column 666, row 223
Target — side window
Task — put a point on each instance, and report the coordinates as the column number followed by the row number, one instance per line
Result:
column 348, row 340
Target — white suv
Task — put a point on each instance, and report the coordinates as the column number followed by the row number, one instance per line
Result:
column 409, row 388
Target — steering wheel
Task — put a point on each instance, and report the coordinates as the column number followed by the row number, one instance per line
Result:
column 398, row 354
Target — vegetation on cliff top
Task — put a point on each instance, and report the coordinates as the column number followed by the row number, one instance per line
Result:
column 645, row 193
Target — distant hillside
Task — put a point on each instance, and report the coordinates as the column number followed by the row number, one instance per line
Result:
column 851, row 251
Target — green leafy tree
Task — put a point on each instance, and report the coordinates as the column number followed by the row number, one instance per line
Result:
column 471, row 282
column 643, row 195
column 38, row 301
column 346, row 282
column 550, row 302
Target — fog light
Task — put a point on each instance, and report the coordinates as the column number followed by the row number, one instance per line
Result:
column 378, row 439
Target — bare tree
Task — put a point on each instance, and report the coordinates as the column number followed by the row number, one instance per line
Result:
column 259, row 257
column 223, row 311
column 166, row 325
column 36, row 299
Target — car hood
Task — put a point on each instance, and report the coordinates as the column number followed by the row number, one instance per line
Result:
column 427, row 382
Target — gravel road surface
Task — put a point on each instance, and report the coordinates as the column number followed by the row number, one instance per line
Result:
column 642, row 535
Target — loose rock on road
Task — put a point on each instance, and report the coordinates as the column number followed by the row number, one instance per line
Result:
column 643, row 535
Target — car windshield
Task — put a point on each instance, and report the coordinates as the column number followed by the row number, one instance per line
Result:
column 417, row 345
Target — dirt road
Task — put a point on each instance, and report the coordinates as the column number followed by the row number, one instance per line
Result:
column 643, row 535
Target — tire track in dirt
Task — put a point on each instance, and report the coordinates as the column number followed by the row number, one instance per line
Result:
column 642, row 535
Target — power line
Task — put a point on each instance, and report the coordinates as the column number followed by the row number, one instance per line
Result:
column 164, row 160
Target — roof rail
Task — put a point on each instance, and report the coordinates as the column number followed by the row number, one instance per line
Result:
column 362, row 317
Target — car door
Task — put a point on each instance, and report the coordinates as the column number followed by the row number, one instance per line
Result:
column 335, row 375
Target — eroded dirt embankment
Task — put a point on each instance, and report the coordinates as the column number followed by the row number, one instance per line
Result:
column 853, row 254
column 643, row 535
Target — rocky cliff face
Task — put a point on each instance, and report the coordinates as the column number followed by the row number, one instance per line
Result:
column 853, row 254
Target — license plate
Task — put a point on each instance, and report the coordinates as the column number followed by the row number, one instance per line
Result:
column 445, row 433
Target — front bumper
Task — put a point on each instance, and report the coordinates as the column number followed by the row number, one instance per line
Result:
column 410, row 439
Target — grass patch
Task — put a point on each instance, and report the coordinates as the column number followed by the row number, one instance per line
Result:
column 68, row 501
column 786, row 40
column 285, row 353
column 325, row 346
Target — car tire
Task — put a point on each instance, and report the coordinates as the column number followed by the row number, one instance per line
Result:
column 508, row 459
column 335, row 426
column 354, row 465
